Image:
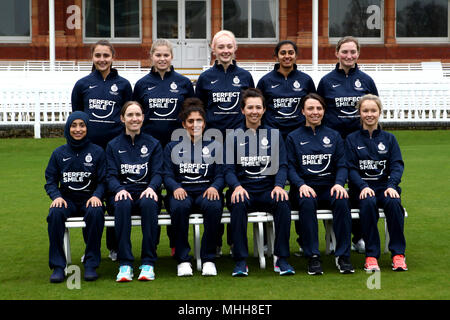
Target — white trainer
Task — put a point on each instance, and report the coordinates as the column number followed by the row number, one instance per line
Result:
column 147, row 273
column 359, row 247
column 113, row 255
column 125, row 274
column 184, row 269
column 209, row 269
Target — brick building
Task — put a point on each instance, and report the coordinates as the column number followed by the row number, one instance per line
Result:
column 389, row 30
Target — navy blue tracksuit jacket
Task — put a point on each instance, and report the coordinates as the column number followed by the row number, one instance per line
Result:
column 102, row 101
column 162, row 100
column 283, row 97
column 316, row 158
column 220, row 92
column 374, row 162
column 134, row 166
column 341, row 93
column 77, row 175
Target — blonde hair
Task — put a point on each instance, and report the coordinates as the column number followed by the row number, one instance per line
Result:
column 161, row 43
column 222, row 33
column 370, row 97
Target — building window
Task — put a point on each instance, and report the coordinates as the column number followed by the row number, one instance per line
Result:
column 422, row 21
column 251, row 20
column 15, row 21
column 362, row 19
column 116, row 20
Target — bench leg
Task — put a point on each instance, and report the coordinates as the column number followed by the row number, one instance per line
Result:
column 386, row 237
column 66, row 246
column 270, row 228
column 327, row 237
column 255, row 240
column 258, row 229
column 330, row 237
column 196, row 235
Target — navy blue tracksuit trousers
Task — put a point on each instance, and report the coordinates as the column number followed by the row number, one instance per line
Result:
column 92, row 233
column 261, row 201
column 179, row 215
column 395, row 216
column 342, row 220
column 148, row 209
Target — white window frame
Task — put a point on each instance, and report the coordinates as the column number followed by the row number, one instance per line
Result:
column 252, row 40
column 362, row 40
column 420, row 40
column 112, row 39
column 20, row 39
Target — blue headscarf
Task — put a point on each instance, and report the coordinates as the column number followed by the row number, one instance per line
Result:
column 76, row 144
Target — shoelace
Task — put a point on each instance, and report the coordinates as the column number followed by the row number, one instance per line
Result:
column 399, row 260
column 124, row 269
column 145, row 267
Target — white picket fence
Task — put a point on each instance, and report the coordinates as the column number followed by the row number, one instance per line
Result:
column 414, row 94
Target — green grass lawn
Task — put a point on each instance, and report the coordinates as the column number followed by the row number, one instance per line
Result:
column 24, row 242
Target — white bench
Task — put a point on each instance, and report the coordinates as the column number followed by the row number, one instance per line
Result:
column 330, row 237
column 196, row 219
column 258, row 219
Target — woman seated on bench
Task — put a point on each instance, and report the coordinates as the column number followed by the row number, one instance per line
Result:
column 256, row 174
column 375, row 170
column 134, row 178
column 317, row 172
column 75, row 182
column 195, row 183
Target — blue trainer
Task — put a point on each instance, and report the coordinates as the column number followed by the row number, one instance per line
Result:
column 241, row 269
column 57, row 275
column 90, row 274
column 284, row 268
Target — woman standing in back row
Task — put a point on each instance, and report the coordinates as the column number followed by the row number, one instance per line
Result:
column 283, row 88
column 220, row 88
column 101, row 94
column 162, row 93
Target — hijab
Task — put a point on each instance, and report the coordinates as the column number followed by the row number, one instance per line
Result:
column 76, row 144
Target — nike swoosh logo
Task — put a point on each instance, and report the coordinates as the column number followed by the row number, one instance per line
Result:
column 212, row 82
column 122, row 151
column 359, row 148
column 243, row 144
column 65, row 159
column 92, row 87
column 274, row 86
column 303, row 143
column 335, row 85
column 151, row 88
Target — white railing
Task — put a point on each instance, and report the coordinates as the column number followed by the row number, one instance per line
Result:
column 417, row 95
column 44, row 65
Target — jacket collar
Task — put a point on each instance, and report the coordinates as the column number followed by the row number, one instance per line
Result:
column 112, row 74
column 351, row 71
